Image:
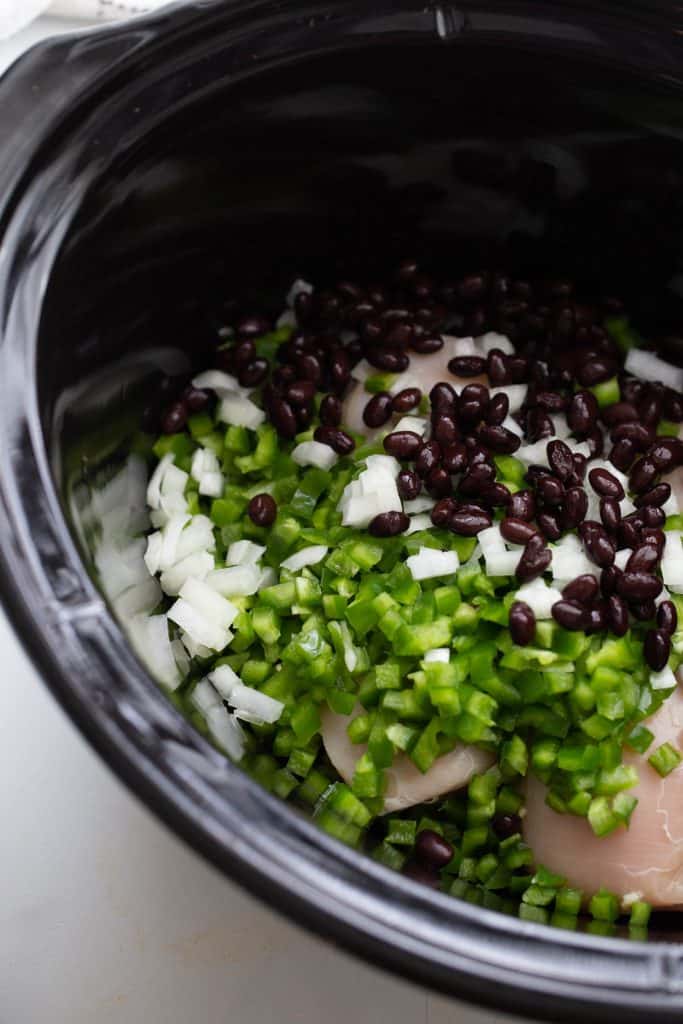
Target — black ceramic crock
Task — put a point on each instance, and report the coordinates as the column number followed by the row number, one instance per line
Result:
column 151, row 171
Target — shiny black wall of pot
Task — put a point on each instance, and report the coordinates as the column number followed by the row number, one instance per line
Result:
column 152, row 172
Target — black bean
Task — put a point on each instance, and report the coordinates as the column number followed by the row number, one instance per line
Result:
column 623, row 454
column 427, row 458
column 198, row 400
column 550, row 491
column 409, row 484
column 499, row 439
column 300, row 392
column 620, row 412
column 570, row 615
column 642, row 476
column 443, row 399
column 330, row 411
column 340, row 371
column 262, row 510
column 666, row 454
column 372, row 329
column 523, row 505
column 535, row 559
column 653, row 517
column 617, row 615
column 610, row 513
column 638, row 586
column 422, row 875
column 517, row 531
column 518, row 368
column 338, row 440
column 389, row 524
column 656, row 496
column 522, row 623
column 583, row 589
column 609, row 580
column 476, row 452
column 496, row 496
column 629, row 531
column 406, row 400
column 552, row 401
column 583, row 412
column 604, row 483
column 378, row 410
column 402, row 444
column 597, row 617
column 667, row 617
column 575, row 507
column 467, row 366
column 506, row 825
column 475, row 393
column 651, row 411
column 640, row 435
column 673, row 406
column 438, row 482
column 304, row 416
column 657, row 648
column 243, row 353
column 308, row 367
column 549, row 525
column 580, row 463
column 538, row 425
column 443, row 511
column 498, row 409
column 427, row 344
column 645, row 558
column 174, row 419
column 469, row 520
column 598, row 544
column 643, row 611
column 432, row 850
column 497, row 368
column 391, row 360
column 477, row 479
column 473, row 287
column 445, row 430
column 655, row 537
column 254, row 373
column 560, row 459
column 595, row 371
column 454, row 457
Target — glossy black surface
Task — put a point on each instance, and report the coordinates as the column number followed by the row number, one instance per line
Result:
column 150, row 173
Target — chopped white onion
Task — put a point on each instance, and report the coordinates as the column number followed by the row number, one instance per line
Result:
column 155, row 543
column 561, row 427
column 197, row 627
column 216, row 609
column 215, row 380
column 225, row 680
column 240, row 412
column 153, row 645
column 307, row 556
column 141, row 598
column 244, row 552
column 286, row 319
column 171, row 541
column 300, row 287
column 246, row 698
column 663, row 680
column 492, row 340
column 174, row 481
column 429, row 563
column 463, row 347
column 540, row 597
column 423, row 503
column 196, row 566
column 204, row 697
column 235, row 581
column 373, row 493
column 513, row 426
column 516, row 394
column 314, row 453
column 362, row 370
column 383, row 463
column 622, row 557
column 196, row 536
column 582, row 448
column 154, row 485
column 533, row 454
column 648, row 366
column 569, row 559
column 438, row 654
column 197, row 650
column 211, row 485
column 672, row 561
column 416, row 424
column 268, row 578
column 491, row 540
column 226, row 732
column 422, row 521
column 502, row 563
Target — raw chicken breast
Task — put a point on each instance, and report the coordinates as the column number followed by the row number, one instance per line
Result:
column 646, row 858
column 406, row 784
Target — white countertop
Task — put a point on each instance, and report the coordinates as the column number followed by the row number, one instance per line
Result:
column 106, row 917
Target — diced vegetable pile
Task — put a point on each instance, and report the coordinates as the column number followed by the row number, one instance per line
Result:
column 491, row 564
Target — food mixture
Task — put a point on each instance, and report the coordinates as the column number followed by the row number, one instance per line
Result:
column 420, row 552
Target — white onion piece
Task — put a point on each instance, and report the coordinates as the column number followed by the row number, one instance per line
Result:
column 216, row 609
column 582, row 448
column 226, row 732
column 235, row 581
column 211, row 485
column 464, row 347
column 423, row 503
column 648, row 366
column 492, row 340
column 406, row 784
column 204, row 697
column 246, row 698
column 155, row 543
column 267, row 578
column 196, row 566
column 197, row 650
column 154, row 485
column 622, row 557
column 174, row 481
column 561, row 427
column 138, row 599
column 663, row 680
column 240, row 412
column 215, row 380
column 361, row 371
column 171, row 534
column 672, row 561
column 422, row 521
column 533, row 454
column 516, row 394
column 196, row 536
column 513, row 426
column 197, row 627
column 383, row 463
column 286, row 319
column 244, row 552
column 152, row 643
column 502, row 563
column 225, row 680
column 429, row 563
column 416, row 424
column 438, row 654
column 307, row 556
column 314, row 453
column 540, row 598
column 300, row 287
column 569, row 559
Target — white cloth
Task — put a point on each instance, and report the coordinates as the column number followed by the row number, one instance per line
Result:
column 16, row 14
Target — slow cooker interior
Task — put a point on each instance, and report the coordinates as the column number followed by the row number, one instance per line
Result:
column 532, row 158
